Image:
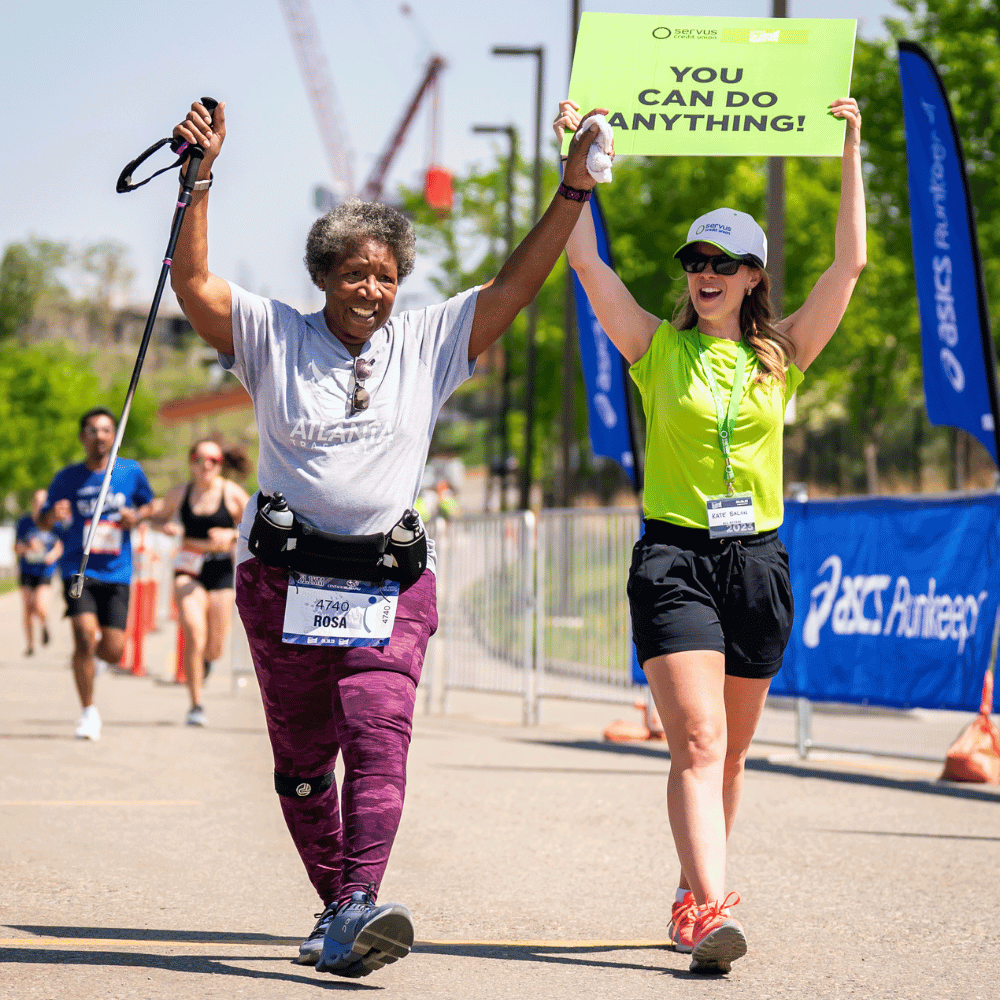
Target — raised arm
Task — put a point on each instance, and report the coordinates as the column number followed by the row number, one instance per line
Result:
column 811, row 327
column 523, row 274
column 628, row 325
column 204, row 297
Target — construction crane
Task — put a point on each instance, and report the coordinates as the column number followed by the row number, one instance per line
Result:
column 305, row 39
column 372, row 191
column 322, row 96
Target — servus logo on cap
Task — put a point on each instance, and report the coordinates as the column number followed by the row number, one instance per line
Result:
column 735, row 233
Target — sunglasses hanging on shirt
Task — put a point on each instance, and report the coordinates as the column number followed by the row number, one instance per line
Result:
column 362, row 372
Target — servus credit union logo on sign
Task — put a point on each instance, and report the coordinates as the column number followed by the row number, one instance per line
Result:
column 662, row 33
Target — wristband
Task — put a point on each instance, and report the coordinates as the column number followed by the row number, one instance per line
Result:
column 199, row 185
column 572, row 193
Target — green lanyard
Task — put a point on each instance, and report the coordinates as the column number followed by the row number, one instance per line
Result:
column 726, row 418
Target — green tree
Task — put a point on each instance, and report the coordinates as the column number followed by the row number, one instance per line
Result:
column 105, row 266
column 44, row 391
column 29, row 278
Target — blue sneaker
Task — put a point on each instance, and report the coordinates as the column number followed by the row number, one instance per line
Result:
column 310, row 949
column 362, row 937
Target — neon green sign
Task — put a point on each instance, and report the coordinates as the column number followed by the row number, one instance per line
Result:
column 715, row 86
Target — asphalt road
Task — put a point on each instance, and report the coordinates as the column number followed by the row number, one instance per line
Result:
column 536, row 862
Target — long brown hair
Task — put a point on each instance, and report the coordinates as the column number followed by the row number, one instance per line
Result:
column 235, row 459
column 773, row 349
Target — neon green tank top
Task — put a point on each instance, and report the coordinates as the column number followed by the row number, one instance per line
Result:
column 684, row 463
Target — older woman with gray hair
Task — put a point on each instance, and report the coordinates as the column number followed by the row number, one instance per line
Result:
column 335, row 580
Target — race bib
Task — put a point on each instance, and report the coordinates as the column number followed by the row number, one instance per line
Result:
column 34, row 556
column 107, row 538
column 324, row 611
column 731, row 517
column 189, row 562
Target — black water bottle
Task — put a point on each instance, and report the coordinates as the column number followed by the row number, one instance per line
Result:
column 272, row 528
column 278, row 513
column 409, row 546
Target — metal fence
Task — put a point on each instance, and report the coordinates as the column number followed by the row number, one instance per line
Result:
column 486, row 607
column 536, row 607
column 583, row 635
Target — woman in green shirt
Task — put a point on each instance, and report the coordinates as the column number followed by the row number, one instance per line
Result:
column 709, row 590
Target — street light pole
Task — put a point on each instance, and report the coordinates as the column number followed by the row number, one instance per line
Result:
column 502, row 430
column 536, row 211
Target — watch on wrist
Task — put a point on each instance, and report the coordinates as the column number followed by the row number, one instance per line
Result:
column 572, row 193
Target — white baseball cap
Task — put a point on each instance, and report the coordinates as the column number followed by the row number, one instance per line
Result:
column 735, row 233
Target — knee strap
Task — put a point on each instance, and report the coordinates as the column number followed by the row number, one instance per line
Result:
column 294, row 787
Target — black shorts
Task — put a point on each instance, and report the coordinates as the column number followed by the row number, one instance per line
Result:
column 687, row 591
column 109, row 601
column 31, row 580
column 216, row 574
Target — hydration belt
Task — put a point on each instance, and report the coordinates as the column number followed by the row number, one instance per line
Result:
column 399, row 554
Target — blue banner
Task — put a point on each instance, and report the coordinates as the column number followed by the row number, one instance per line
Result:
column 960, row 385
column 604, row 372
column 894, row 600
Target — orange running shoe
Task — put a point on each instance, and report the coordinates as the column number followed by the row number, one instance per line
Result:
column 718, row 938
column 682, row 923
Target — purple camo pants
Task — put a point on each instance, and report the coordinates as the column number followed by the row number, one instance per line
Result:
column 321, row 701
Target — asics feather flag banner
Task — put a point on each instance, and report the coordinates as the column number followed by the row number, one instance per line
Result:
column 960, row 381
column 608, row 406
column 895, row 600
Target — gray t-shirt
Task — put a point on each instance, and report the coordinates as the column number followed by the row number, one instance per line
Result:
column 349, row 473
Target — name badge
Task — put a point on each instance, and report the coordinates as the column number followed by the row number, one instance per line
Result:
column 189, row 562
column 731, row 517
column 325, row 611
column 107, row 538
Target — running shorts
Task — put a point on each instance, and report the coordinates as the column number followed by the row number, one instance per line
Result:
column 109, row 601
column 734, row 596
column 216, row 574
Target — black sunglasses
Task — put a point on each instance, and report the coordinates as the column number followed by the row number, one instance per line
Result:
column 362, row 372
column 695, row 263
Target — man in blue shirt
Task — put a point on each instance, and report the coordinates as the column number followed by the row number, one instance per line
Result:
column 103, row 605
column 37, row 552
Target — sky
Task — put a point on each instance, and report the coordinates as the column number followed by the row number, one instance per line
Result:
column 87, row 87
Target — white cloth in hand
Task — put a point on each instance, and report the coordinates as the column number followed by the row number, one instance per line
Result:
column 599, row 154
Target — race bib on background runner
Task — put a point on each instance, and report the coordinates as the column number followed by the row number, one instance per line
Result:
column 189, row 562
column 325, row 611
column 107, row 538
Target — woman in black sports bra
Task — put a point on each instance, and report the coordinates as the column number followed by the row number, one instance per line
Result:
column 209, row 507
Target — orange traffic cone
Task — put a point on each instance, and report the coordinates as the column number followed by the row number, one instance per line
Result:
column 621, row 730
column 180, row 675
column 975, row 755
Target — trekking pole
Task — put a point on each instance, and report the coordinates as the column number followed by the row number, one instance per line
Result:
column 193, row 154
